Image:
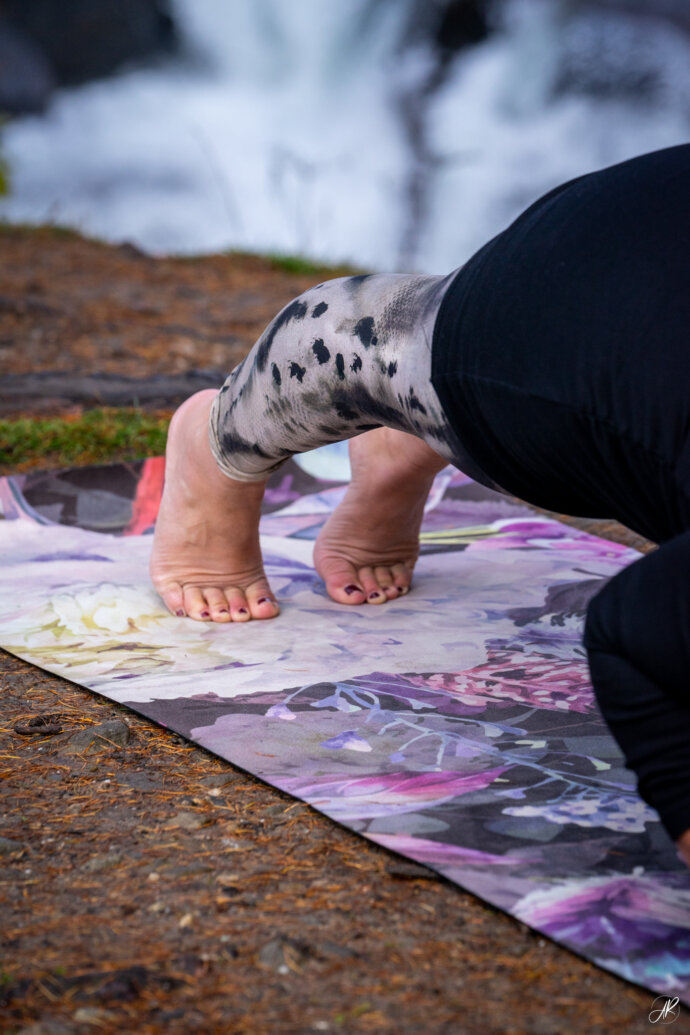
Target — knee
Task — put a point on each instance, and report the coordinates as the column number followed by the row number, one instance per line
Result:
column 600, row 632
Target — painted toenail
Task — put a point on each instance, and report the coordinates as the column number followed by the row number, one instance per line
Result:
column 376, row 593
column 180, row 613
column 205, row 614
column 403, row 589
column 352, row 589
column 242, row 611
column 265, row 600
column 223, row 611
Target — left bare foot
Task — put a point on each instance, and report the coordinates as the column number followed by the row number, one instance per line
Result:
column 366, row 551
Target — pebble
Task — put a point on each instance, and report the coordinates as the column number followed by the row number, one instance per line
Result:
column 186, row 821
column 103, row 737
column 102, row 862
column 93, row 1015
column 47, row 1027
column 8, row 846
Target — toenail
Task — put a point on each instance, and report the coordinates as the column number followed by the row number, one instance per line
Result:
column 265, row 600
column 403, row 589
column 352, row 589
column 242, row 611
column 180, row 613
column 223, row 611
column 205, row 614
column 374, row 594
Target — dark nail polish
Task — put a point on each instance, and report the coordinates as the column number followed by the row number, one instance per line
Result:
column 265, row 600
column 242, row 611
column 180, row 613
column 352, row 589
column 223, row 611
column 374, row 594
column 205, row 614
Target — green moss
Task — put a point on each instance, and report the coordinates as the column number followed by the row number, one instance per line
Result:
column 95, row 437
column 299, row 265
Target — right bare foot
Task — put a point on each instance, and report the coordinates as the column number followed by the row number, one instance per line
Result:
column 366, row 551
column 206, row 560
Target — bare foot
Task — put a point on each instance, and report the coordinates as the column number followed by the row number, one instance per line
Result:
column 206, row 560
column 368, row 548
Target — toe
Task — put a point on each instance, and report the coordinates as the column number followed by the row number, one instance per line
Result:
column 262, row 603
column 173, row 598
column 384, row 577
column 218, row 604
column 342, row 581
column 372, row 590
column 237, row 602
column 402, row 577
column 195, row 604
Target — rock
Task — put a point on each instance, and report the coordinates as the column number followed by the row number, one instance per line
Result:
column 404, row 870
column 48, row 1026
column 103, row 737
column 9, row 847
column 102, row 862
column 93, row 1015
column 26, row 81
column 89, row 38
column 186, row 821
column 284, row 954
column 217, row 780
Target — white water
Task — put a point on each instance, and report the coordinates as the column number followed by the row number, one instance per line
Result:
column 282, row 132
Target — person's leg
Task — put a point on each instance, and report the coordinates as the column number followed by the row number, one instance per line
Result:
column 340, row 361
column 637, row 636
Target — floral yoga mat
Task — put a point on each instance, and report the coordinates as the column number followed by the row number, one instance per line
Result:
column 455, row 726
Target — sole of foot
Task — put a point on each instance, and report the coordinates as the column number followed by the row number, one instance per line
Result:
column 206, row 560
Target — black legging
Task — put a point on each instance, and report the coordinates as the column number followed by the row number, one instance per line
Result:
column 555, row 365
column 637, row 636
column 562, row 358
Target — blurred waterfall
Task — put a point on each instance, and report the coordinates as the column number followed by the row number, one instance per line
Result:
column 351, row 130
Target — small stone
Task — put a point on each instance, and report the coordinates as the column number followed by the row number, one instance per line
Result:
column 283, row 954
column 186, row 821
column 227, row 878
column 102, row 862
column 48, row 1026
column 223, row 903
column 186, row 920
column 9, row 847
column 103, row 737
column 153, row 877
column 159, row 907
column 230, row 844
column 216, row 780
column 404, row 870
column 93, row 1015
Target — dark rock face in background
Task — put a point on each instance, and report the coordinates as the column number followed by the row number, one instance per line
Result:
column 49, row 43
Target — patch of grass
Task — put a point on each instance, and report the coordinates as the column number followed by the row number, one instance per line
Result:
column 299, row 265
column 94, row 437
column 47, row 229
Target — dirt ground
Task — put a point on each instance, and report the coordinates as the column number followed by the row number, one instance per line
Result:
column 147, row 886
